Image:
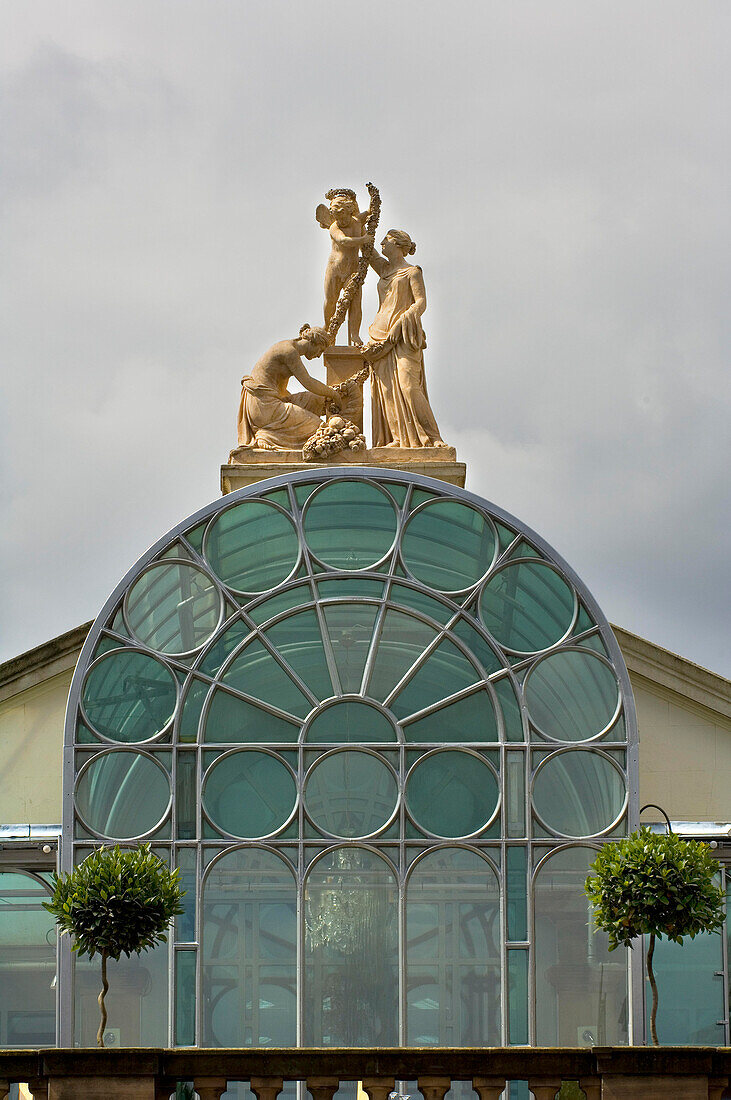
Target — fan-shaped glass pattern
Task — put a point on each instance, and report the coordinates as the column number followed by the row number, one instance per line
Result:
column 357, row 709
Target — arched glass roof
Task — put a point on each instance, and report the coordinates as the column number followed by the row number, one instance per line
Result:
column 347, row 671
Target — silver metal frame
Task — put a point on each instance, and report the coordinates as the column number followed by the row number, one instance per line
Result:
column 402, row 851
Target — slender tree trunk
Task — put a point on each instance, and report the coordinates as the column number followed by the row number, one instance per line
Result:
column 653, row 985
column 102, row 1005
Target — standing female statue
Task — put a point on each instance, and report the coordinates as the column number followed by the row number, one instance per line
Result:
column 402, row 415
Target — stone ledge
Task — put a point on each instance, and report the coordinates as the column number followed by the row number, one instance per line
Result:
column 246, row 466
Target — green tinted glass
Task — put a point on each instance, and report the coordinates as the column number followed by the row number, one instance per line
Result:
column 225, row 644
column 350, row 721
column 571, row 695
column 527, row 606
column 122, row 794
column 193, row 701
column 350, row 794
column 350, row 524
column 249, row 793
column 173, row 607
column 328, row 587
column 452, row 793
column 402, row 641
column 283, row 601
column 185, row 998
column 28, row 962
column 350, row 627
column 518, row 997
column 231, row 719
column 129, row 696
column 235, row 539
column 511, row 709
column 255, row 672
column 578, row 793
column 299, row 641
column 469, row 719
column 478, row 645
column 448, row 545
column 445, row 671
column 421, row 601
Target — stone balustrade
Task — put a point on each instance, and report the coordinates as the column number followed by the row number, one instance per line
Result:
column 602, row 1073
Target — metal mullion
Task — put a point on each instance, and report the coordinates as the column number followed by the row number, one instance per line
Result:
column 332, row 665
column 463, row 693
column 285, row 715
column 375, row 641
column 411, row 672
column 284, row 664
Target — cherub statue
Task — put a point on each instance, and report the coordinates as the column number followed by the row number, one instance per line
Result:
column 346, row 225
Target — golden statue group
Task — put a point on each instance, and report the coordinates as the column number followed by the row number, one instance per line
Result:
column 322, row 420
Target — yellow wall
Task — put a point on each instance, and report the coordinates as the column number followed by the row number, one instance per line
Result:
column 31, row 744
column 685, row 755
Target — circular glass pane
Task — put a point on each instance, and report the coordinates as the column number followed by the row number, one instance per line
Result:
column 174, row 607
column 571, row 695
column 452, row 793
column 527, row 606
column 350, row 720
column 129, row 696
column 351, row 794
column 249, row 794
column 448, row 545
column 350, row 524
column 123, row 794
column 235, row 541
column 578, row 793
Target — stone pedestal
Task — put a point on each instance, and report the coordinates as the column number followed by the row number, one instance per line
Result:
column 342, row 363
column 249, row 465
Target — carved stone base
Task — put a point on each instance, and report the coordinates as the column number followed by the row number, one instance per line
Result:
column 249, row 465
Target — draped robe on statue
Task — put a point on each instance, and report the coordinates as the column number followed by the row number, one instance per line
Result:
column 276, row 419
column 401, row 410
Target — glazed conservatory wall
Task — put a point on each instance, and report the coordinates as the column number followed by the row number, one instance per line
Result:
column 381, row 727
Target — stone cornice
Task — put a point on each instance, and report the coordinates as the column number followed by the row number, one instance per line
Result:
column 674, row 673
column 38, row 665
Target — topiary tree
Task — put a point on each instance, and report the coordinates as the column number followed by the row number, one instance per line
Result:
column 655, row 884
column 117, row 901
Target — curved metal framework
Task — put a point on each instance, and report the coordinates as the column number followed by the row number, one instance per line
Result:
column 358, row 674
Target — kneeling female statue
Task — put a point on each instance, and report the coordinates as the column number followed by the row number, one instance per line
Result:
column 272, row 418
column 402, row 415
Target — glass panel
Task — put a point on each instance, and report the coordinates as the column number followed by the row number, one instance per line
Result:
column 571, row 695
column 690, row 983
column 129, row 696
column 351, row 794
column 234, row 542
column 420, row 601
column 445, row 671
column 517, row 862
column 186, row 795
column 257, row 673
column 299, row 641
column 351, row 951
column 185, row 998
column 453, row 951
column 248, row 793
column 469, row 719
column 350, row 524
column 283, row 601
column 578, row 793
column 349, row 586
column 403, row 639
column 27, row 963
column 511, row 710
column 225, row 644
column 580, row 985
column 452, row 793
column 518, row 997
column 122, row 794
column 479, row 646
column 448, row 545
column 350, row 627
column 350, row 721
column 137, row 1001
column 515, row 792
column 249, row 954
column 194, row 699
column 173, row 608
column 185, row 922
column 527, row 606
column 231, row 720
column 195, row 536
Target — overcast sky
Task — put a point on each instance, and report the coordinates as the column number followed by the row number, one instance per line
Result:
column 564, row 170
